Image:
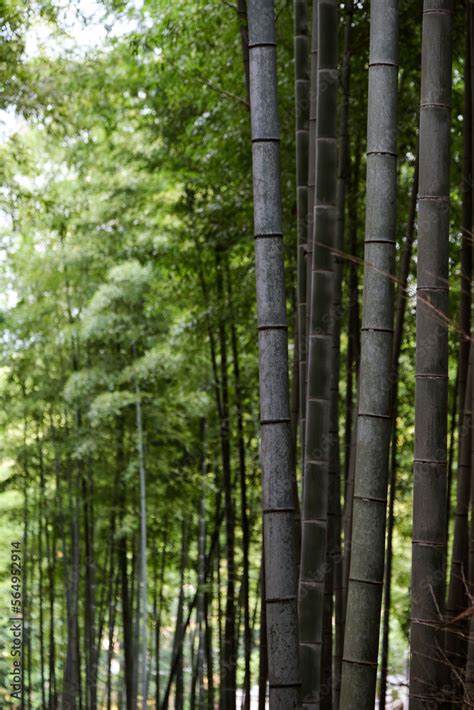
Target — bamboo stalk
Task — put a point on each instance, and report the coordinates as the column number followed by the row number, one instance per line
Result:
column 458, row 597
column 334, row 509
column 359, row 666
column 427, row 669
column 278, row 504
column 313, row 89
column 397, row 345
column 321, row 326
column 302, row 139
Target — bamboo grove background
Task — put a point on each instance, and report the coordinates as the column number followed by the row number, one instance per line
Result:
column 130, row 439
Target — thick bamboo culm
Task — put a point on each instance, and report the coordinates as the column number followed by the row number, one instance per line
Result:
column 313, row 85
column 278, row 502
column 302, row 139
column 359, row 665
column 428, row 669
column 457, row 599
column 315, row 486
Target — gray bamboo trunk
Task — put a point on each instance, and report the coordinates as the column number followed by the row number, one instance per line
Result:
column 353, row 335
column 469, row 686
column 326, row 690
column 359, row 666
column 334, row 464
column 25, row 583
column 465, row 297
column 302, row 138
column 313, row 85
column 262, row 656
column 427, row 669
column 113, row 586
column 201, row 601
column 229, row 667
column 458, row 596
column 321, row 326
column 180, row 627
column 143, row 552
column 397, row 345
column 469, row 678
column 209, row 637
column 41, row 587
column 352, row 368
column 243, row 498
column 348, row 513
column 278, row 504
column 458, row 599
column 71, row 679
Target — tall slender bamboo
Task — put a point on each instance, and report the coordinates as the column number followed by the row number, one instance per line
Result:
column 209, row 642
column 122, row 550
column 25, row 578
column 313, row 87
column 51, row 545
column 359, row 666
column 201, row 602
column 278, row 504
column 348, row 513
column 302, row 139
column 471, row 360
column 295, row 404
column 263, row 660
column 458, row 596
column 230, row 638
column 465, row 296
column 28, row 587
column 470, row 661
column 219, row 621
column 71, row 676
column 243, row 494
column 430, row 467
column 326, row 690
column 458, row 599
column 41, row 526
column 143, row 550
column 471, row 41
column 113, row 589
column 90, row 640
column 397, row 345
column 193, row 664
column 469, row 677
column 453, row 421
column 180, row 629
column 202, row 569
column 315, row 490
column 61, row 530
column 158, row 615
column 352, row 367
column 353, row 344
column 334, row 510
column 244, row 39
column 135, row 611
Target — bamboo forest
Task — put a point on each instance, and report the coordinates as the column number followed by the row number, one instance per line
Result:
column 236, row 451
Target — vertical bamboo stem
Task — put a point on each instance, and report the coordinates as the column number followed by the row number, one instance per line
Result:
column 278, row 503
column 302, row 139
column 427, row 669
column 321, row 326
column 359, row 667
